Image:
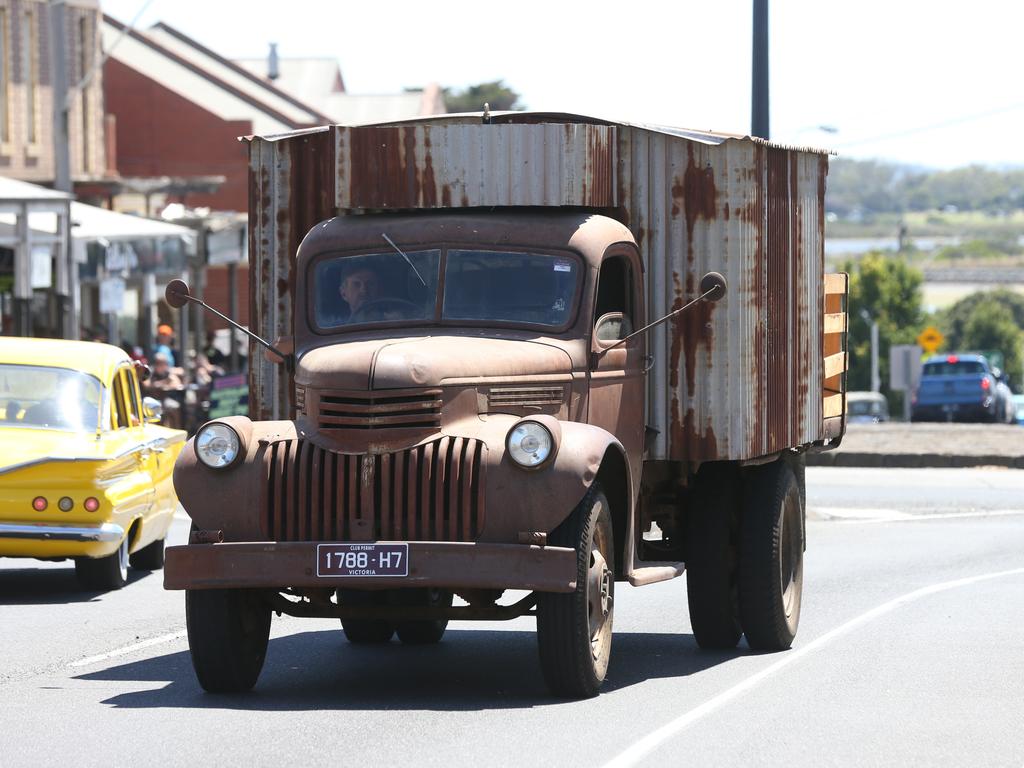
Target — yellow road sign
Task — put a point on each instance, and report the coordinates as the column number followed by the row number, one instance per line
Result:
column 930, row 339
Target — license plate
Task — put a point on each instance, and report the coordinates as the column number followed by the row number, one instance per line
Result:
column 354, row 560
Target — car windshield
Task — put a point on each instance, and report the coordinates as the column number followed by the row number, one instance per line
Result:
column 865, row 408
column 487, row 286
column 947, row 368
column 49, row 398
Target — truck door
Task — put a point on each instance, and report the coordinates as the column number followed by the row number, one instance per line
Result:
column 616, row 400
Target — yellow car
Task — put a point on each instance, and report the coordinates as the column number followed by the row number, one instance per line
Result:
column 85, row 470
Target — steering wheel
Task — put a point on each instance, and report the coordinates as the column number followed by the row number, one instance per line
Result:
column 379, row 309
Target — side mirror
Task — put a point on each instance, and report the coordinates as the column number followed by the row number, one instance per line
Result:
column 152, row 410
column 142, row 371
column 713, row 282
column 612, row 327
column 176, row 293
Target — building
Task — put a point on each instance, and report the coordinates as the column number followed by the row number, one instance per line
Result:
column 180, row 107
column 28, row 64
column 318, row 82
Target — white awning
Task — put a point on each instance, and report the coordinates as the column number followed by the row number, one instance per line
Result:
column 91, row 223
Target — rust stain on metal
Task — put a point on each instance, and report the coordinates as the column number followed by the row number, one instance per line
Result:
column 675, row 356
column 696, row 444
column 691, row 330
column 428, row 187
column 756, row 217
column 698, row 193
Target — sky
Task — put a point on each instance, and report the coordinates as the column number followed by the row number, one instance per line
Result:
column 931, row 83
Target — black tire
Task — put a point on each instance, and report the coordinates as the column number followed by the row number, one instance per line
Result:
column 104, row 573
column 712, row 522
column 423, row 632
column 771, row 556
column 574, row 630
column 149, row 558
column 228, row 631
column 365, row 631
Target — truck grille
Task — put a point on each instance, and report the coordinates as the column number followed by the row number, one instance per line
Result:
column 395, row 409
column 513, row 397
column 433, row 492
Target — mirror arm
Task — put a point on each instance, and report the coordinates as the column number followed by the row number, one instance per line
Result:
column 669, row 316
column 285, row 357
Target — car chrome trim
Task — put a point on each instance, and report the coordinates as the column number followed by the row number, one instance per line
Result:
column 33, row 462
column 44, row 532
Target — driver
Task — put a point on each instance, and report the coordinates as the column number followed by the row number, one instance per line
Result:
column 358, row 288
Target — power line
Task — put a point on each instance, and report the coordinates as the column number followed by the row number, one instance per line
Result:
column 932, row 126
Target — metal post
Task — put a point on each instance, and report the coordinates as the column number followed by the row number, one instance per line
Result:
column 759, row 77
column 23, row 274
column 59, row 80
column 233, row 312
column 875, row 382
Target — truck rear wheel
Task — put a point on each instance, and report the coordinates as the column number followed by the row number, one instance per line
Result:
column 771, row 556
column 365, row 631
column 574, row 630
column 423, row 632
column 228, row 631
column 711, row 541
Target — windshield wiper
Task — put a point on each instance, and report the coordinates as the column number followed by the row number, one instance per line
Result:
column 407, row 259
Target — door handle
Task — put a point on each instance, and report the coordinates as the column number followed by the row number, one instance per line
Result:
column 648, row 363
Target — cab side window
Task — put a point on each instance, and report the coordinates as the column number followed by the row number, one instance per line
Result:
column 615, row 291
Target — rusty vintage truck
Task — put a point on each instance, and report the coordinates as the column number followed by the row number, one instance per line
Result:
column 532, row 353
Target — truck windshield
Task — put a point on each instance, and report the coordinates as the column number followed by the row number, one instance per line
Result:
column 376, row 287
column 513, row 287
column 49, row 398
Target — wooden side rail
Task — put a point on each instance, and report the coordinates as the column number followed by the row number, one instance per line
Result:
column 836, row 359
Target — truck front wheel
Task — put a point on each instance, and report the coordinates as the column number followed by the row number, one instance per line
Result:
column 771, row 564
column 574, row 630
column 228, row 631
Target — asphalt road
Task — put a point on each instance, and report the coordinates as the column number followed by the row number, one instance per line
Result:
column 909, row 653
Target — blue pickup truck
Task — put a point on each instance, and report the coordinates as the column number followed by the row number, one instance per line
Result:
column 962, row 388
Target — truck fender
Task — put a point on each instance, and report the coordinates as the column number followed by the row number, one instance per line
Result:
column 540, row 499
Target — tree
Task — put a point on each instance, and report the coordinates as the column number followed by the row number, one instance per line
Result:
column 473, row 97
column 889, row 290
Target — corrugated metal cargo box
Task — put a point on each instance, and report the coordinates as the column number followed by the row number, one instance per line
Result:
column 743, row 378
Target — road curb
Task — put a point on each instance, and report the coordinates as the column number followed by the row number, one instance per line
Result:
column 910, row 460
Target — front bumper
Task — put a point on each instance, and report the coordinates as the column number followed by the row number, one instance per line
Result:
column 452, row 565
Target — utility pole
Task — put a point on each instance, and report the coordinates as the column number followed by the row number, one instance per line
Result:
column 876, row 382
column 59, row 78
column 759, row 79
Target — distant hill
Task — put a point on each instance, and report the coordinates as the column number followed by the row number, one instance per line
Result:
column 863, row 188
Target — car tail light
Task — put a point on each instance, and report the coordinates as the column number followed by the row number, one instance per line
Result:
column 65, row 504
column 952, row 359
column 91, row 504
column 986, row 384
column 39, row 504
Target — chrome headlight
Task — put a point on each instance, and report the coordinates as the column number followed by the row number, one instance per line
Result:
column 529, row 444
column 217, row 445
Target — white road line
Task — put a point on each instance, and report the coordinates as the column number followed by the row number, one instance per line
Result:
column 634, row 754
column 129, row 649
column 871, row 515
